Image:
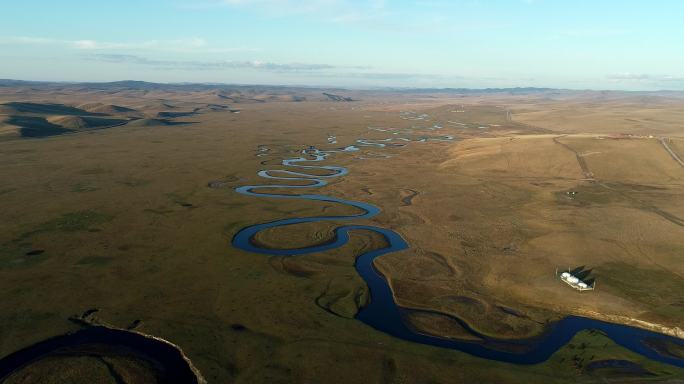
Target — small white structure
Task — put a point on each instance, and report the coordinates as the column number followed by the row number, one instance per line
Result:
column 575, row 282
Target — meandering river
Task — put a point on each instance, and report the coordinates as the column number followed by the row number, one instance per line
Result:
column 169, row 362
column 383, row 313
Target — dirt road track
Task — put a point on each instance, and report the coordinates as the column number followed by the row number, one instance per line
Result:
column 580, row 159
column 664, row 141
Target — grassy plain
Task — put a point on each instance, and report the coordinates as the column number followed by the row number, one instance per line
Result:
column 123, row 220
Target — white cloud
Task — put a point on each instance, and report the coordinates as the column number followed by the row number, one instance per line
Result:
column 312, row 72
column 588, row 33
column 150, row 44
column 192, row 44
column 85, row 44
column 644, row 78
column 429, row 17
column 212, row 65
column 337, row 11
column 26, row 40
column 629, row 76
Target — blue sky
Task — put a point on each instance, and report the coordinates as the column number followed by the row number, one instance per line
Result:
column 423, row 43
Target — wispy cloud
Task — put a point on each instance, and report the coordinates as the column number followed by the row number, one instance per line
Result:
column 316, row 73
column 593, row 32
column 320, row 71
column 587, row 33
column 192, row 44
column 336, row 11
column 645, row 78
column 293, row 7
column 629, row 76
column 403, row 76
column 430, row 17
column 213, row 65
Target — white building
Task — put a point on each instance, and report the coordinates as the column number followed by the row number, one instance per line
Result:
column 575, row 282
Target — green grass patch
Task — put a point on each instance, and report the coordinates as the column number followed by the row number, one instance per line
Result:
column 93, row 171
column 159, row 211
column 18, row 257
column 653, row 287
column 231, row 229
column 180, row 199
column 70, row 222
column 232, row 205
column 79, row 188
column 133, row 182
column 95, row 261
column 587, row 348
column 586, row 195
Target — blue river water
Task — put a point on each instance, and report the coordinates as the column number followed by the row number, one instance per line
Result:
column 383, row 313
column 169, row 361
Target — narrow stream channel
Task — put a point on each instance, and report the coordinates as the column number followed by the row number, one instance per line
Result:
column 383, row 313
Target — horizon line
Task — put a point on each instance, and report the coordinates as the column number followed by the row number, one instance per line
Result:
column 376, row 88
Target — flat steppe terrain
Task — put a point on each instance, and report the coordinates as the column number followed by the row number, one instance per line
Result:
column 122, row 200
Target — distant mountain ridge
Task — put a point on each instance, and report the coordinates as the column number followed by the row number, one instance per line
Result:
column 138, row 85
column 150, row 86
